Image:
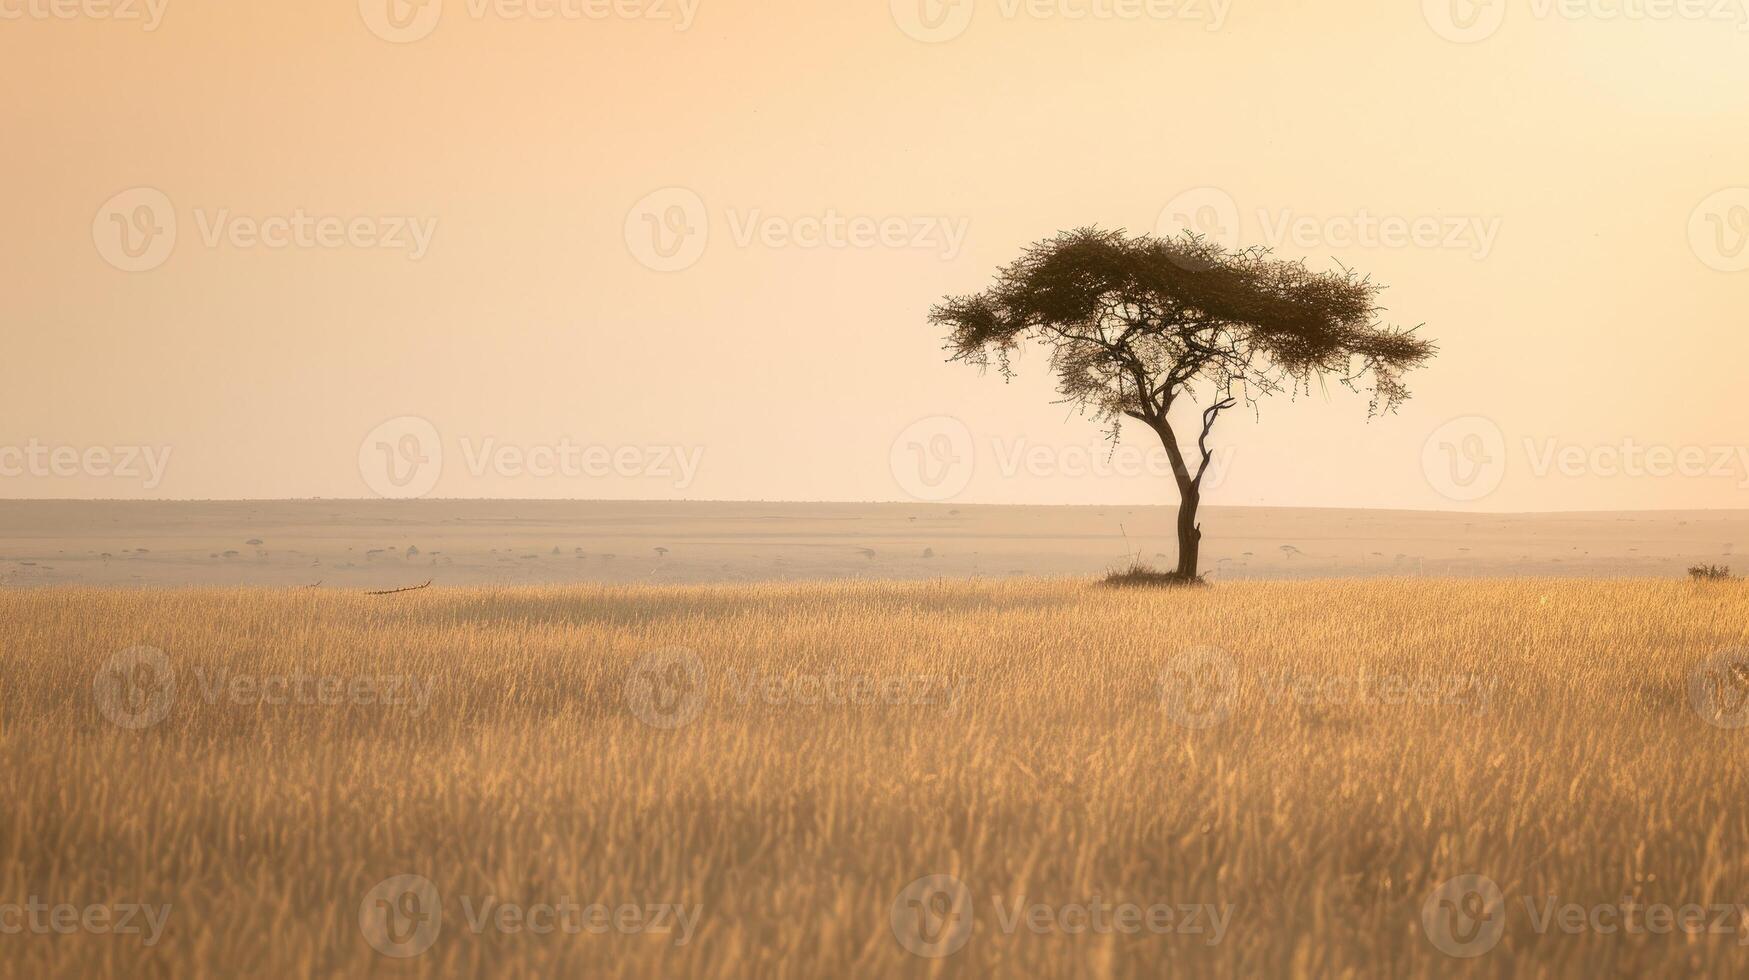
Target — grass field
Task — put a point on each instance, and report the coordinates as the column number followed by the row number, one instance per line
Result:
column 1265, row 778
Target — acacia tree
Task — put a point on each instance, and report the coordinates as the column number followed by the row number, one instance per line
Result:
column 1138, row 327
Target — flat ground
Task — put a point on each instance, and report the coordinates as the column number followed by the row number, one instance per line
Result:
column 380, row 544
column 1031, row 777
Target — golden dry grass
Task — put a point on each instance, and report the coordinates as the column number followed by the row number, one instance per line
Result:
column 1061, row 772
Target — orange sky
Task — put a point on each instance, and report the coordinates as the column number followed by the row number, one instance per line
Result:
column 685, row 248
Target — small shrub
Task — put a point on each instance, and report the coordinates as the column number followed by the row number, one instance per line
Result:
column 1138, row 575
column 1710, row 573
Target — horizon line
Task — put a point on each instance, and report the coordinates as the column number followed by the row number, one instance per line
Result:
column 863, row 503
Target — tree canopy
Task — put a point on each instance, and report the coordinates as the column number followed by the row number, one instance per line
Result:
column 1133, row 323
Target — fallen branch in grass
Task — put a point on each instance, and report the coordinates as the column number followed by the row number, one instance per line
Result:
column 410, row 588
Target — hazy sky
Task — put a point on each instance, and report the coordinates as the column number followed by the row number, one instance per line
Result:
column 686, row 248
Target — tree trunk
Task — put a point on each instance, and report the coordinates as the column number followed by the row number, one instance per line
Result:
column 1189, row 534
column 1189, row 496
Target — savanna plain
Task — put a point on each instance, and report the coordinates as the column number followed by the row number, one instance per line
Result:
column 864, row 778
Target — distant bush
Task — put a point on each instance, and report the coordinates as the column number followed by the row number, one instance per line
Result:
column 1710, row 573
